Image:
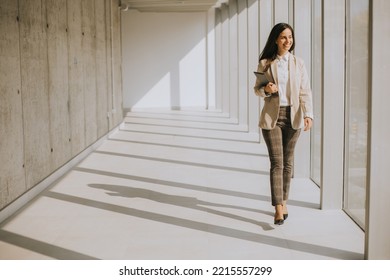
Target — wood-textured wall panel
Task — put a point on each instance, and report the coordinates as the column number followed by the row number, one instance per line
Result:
column 58, row 81
column 12, row 176
column 34, row 73
column 76, row 84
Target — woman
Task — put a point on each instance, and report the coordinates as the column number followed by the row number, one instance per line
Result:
column 287, row 109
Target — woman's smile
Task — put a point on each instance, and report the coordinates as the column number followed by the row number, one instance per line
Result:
column 284, row 41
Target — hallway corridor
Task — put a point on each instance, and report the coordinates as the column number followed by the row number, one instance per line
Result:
column 176, row 185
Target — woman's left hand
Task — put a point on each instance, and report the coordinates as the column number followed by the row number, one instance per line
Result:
column 308, row 123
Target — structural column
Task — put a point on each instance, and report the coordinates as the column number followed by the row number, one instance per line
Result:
column 333, row 104
column 378, row 192
column 242, row 13
column 233, row 59
column 303, row 30
column 210, row 54
column 218, row 59
column 225, row 61
column 253, row 57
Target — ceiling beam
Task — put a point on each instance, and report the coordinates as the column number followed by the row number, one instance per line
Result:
column 169, row 5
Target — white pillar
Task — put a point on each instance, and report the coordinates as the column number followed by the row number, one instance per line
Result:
column 378, row 191
column 225, row 61
column 333, row 104
column 243, row 64
column 233, row 57
column 266, row 21
column 303, row 30
column 253, row 58
column 281, row 11
column 210, row 60
column 218, row 59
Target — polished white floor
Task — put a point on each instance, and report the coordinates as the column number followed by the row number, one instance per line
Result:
column 176, row 185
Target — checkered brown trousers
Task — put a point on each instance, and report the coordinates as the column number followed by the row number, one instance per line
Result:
column 281, row 142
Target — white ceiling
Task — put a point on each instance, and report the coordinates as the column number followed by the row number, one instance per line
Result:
column 169, row 5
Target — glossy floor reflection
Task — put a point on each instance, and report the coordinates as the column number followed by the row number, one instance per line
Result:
column 176, row 185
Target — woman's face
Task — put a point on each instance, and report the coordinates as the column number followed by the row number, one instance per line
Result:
column 284, row 41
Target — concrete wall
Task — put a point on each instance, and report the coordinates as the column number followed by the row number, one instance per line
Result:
column 60, row 85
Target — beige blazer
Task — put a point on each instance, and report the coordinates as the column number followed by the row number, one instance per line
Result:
column 300, row 99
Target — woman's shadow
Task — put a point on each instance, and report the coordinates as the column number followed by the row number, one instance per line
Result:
column 182, row 201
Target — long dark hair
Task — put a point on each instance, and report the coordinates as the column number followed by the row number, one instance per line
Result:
column 270, row 50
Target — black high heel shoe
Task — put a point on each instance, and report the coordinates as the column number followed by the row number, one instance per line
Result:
column 279, row 222
column 285, row 215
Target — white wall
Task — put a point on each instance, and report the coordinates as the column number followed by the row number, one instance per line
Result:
column 164, row 60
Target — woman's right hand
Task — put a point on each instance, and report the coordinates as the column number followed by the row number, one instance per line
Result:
column 271, row 88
